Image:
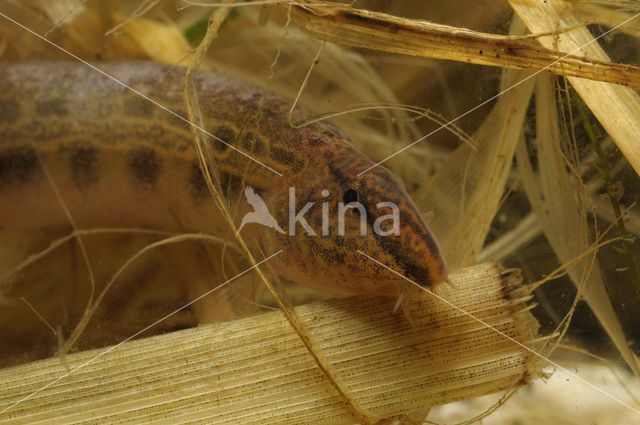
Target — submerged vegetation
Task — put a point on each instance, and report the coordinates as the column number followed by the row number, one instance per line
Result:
column 513, row 125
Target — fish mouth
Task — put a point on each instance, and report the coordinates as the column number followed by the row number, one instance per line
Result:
column 429, row 266
column 425, row 267
column 417, row 254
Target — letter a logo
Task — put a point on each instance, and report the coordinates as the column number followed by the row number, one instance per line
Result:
column 260, row 213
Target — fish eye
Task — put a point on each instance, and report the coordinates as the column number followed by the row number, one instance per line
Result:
column 350, row 195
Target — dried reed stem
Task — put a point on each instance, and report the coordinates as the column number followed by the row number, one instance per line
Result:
column 256, row 370
column 388, row 33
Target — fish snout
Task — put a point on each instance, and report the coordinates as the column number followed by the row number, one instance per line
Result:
column 422, row 257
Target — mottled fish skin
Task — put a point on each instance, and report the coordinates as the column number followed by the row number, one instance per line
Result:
column 120, row 160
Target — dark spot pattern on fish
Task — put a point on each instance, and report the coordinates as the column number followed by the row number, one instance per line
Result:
column 83, row 165
column 144, row 165
column 18, row 165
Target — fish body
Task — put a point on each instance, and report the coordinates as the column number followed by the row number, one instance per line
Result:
column 120, row 160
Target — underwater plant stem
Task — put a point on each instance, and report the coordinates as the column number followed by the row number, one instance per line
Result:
column 603, row 165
